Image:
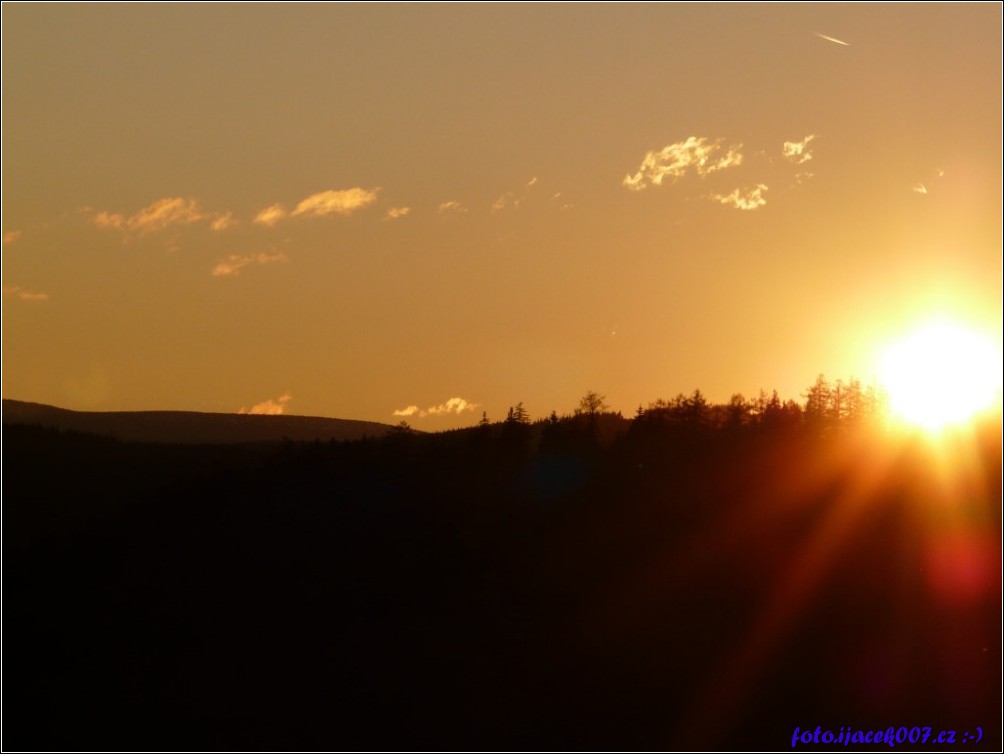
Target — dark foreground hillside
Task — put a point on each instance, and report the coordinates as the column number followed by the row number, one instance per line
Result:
column 190, row 427
column 503, row 588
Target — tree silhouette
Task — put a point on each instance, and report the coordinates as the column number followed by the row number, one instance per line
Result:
column 737, row 410
column 591, row 404
column 818, row 400
column 517, row 415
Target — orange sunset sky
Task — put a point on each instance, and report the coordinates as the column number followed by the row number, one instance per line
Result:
column 430, row 211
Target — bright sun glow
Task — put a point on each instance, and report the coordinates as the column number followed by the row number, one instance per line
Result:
column 941, row 375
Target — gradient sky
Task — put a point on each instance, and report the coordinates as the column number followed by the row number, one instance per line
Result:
column 357, row 210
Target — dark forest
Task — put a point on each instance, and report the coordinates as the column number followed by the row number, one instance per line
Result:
column 699, row 576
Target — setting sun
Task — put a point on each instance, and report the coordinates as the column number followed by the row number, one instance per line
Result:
column 940, row 375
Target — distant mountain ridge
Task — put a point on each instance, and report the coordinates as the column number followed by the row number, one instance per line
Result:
column 190, row 427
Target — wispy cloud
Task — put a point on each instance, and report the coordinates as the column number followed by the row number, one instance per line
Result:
column 339, row 202
column 798, row 151
column 109, row 220
column 24, row 294
column 162, row 214
column 697, row 154
column 512, row 199
column 506, row 200
column 10, row 237
column 233, row 264
column 223, row 221
column 342, row 202
column 451, row 206
column 833, row 39
column 270, row 215
column 450, row 406
column 272, row 407
column 395, row 213
column 745, row 199
column 925, row 187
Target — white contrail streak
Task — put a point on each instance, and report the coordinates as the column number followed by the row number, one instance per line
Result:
column 833, row 39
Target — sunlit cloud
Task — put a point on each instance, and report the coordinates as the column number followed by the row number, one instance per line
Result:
column 162, row 214
column 833, row 39
column 745, row 199
column 451, row 206
column 924, row 187
column 224, row 221
column 270, row 215
column 450, row 406
column 10, row 237
column 343, row 202
column 506, row 200
column 271, row 407
column 512, row 199
column 24, row 294
column 233, row 264
column 697, row 154
column 798, row 151
column 109, row 220
column 395, row 213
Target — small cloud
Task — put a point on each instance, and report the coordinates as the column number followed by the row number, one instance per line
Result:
column 745, row 199
column 10, row 237
column 109, row 220
column 395, row 213
column 233, row 264
column 224, row 221
column 24, row 294
column 699, row 154
column 343, row 202
column 161, row 214
column 557, row 195
column 270, row 215
column 833, row 39
column 506, row 200
column 451, row 206
column 798, row 151
column 925, row 188
column 269, row 407
column 514, row 198
column 450, row 406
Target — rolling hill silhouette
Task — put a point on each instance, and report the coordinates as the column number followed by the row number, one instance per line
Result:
column 190, row 426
